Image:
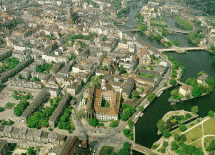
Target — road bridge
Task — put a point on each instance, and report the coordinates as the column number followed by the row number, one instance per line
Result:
column 180, row 31
column 181, row 83
column 132, row 30
column 141, row 149
column 182, row 49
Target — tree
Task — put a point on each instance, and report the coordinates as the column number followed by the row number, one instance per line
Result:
column 1, row 109
column 122, row 70
column 183, row 138
column 142, row 89
column 127, row 147
column 108, row 151
column 166, row 133
column 195, row 110
column 31, row 151
column 80, row 114
column 210, row 81
column 211, row 146
column 20, row 76
column 114, row 123
column 130, row 123
column 94, row 122
column 197, row 91
column 161, row 125
column 172, row 81
column 151, row 96
column 165, row 143
column 211, row 114
column 176, row 137
column 174, row 146
column 188, row 115
column 135, row 94
column 182, row 127
column 141, row 108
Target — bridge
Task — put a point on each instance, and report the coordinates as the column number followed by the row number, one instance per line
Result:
column 132, row 30
column 181, row 83
column 140, row 148
column 179, row 31
column 182, row 49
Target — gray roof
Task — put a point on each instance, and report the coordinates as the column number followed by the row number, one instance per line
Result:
column 36, row 102
column 31, row 132
column 38, row 133
column 151, row 72
column 60, row 107
column 8, row 128
column 52, row 135
column 203, row 77
column 2, row 143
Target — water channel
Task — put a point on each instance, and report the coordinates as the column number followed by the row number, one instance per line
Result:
column 194, row 62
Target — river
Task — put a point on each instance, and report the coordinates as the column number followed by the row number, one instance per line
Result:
column 194, row 62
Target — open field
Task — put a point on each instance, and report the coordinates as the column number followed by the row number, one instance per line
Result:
column 194, row 134
column 209, row 127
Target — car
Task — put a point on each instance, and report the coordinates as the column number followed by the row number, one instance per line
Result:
column 108, row 140
column 118, row 142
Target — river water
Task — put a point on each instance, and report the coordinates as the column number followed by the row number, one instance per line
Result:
column 194, row 62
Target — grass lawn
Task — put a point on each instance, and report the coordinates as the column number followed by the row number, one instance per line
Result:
column 197, row 144
column 193, row 123
column 72, row 124
column 208, row 140
column 104, row 150
column 194, row 134
column 209, row 127
column 177, row 131
column 9, row 105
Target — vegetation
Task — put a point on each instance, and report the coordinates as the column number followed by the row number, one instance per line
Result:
column 211, row 114
column 114, row 123
column 81, row 36
column 166, row 133
column 124, row 11
column 52, row 37
column 141, row 108
column 135, row 94
column 31, row 151
column 41, row 117
column 130, row 123
column 195, row 37
column 185, row 24
column 94, row 122
column 9, row 105
column 128, row 133
column 20, row 95
column 122, row 70
column 64, row 122
column 3, row 122
column 1, row 109
column 106, row 150
column 9, row 64
column 199, row 89
column 195, row 110
column 151, row 96
column 172, row 81
column 126, row 149
column 127, row 112
column 19, row 109
column 176, row 95
column 155, row 146
column 182, row 127
column 147, row 75
column 44, row 68
column 211, row 146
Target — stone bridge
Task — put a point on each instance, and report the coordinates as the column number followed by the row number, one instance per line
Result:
column 141, row 149
column 182, row 49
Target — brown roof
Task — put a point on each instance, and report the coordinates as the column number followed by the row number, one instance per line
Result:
column 187, row 87
column 114, row 104
column 144, row 51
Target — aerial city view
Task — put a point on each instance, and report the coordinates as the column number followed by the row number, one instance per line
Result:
column 107, row 77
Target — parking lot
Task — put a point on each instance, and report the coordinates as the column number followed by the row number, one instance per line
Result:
column 5, row 97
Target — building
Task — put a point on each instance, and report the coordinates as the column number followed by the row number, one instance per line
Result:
column 202, row 79
column 103, row 112
column 127, row 89
column 185, row 90
column 145, row 57
column 40, row 98
column 59, row 110
column 72, row 146
column 4, row 148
